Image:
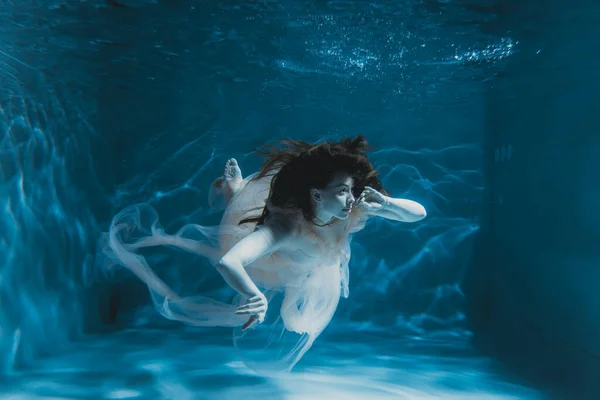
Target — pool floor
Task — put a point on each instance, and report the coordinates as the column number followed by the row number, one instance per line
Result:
column 187, row 364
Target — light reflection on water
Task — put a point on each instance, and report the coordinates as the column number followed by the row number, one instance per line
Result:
column 187, row 364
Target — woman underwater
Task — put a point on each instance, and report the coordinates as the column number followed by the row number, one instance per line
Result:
column 285, row 234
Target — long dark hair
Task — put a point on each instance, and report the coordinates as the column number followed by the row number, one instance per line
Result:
column 298, row 166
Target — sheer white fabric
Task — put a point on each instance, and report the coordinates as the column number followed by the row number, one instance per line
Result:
column 303, row 289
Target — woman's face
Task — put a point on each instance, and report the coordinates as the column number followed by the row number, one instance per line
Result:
column 336, row 198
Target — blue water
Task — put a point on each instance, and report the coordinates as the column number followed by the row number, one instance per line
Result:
column 107, row 103
column 188, row 364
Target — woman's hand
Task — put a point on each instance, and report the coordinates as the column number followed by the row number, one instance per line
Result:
column 371, row 200
column 256, row 307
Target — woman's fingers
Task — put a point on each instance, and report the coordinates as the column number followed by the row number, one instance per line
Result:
column 254, row 300
column 366, row 192
column 373, row 192
column 254, row 310
column 251, row 306
column 361, row 198
column 255, row 305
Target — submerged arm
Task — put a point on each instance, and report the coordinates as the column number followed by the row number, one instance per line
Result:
column 402, row 210
column 379, row 205
column 232, row 267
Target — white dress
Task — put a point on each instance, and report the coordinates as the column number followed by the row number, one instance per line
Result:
column 303, row 289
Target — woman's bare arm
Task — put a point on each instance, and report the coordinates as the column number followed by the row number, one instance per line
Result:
column 232, row 265
column 403, row 210
column 377, row 204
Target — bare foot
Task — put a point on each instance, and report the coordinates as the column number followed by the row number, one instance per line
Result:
column 225, row 187
column 233, row 174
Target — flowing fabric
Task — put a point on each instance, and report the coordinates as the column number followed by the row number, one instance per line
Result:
column 303, row 290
